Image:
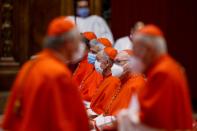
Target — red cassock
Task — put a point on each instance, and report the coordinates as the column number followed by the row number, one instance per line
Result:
column 131, row 85
column 114, row 94
column 165, row 100
column 90, row 84
column 44, row 98
column 104, row 94
column 82, row 70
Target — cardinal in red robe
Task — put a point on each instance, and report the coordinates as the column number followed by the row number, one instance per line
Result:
column 165, row 100
column 91, row 82
column 81, row 70
column 43, row 97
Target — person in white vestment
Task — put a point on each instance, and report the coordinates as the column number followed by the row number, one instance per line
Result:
column 125, row 42
column 91, row 23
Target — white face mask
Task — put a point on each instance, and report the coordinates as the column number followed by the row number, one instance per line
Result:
column 97, row 66
column 117, row 70
column 136, row 64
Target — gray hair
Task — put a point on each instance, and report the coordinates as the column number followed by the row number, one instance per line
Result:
column 156, row 42
column 56, row 42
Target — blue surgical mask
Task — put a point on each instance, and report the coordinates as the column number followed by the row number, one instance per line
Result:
column 83, row 11
column 91, row 58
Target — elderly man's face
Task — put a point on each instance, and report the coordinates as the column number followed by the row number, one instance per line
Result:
column 120, row 62
column 121, row 65
column 121, row 59
column 143, row 51
column 94, row 49
column 102, row 58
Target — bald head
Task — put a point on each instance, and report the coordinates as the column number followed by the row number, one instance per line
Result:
column 138, row 25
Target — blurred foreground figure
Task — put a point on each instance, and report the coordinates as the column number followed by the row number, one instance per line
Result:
column 125, row 42
column 164, row 102
column 43, row 97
